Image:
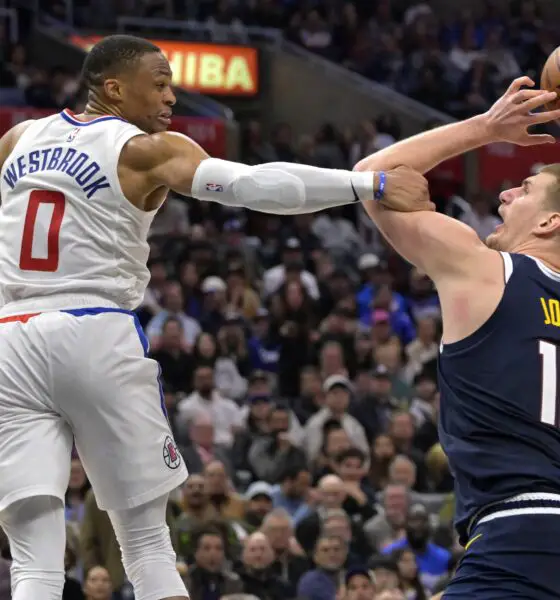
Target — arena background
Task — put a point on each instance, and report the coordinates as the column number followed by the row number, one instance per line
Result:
column 297, row 354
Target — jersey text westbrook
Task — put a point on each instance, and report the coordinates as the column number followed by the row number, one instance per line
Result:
column 80, row 167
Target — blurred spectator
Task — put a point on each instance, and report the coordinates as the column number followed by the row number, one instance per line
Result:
column 258, row 503
column 432, row 561
column 227, row 503
column 359, row 584
column 208, row 577
column 388, row 525
column 173, row 303
column 270, row 455
column 223, row 412
column 202, row 450
column 290, row 562
column 329, row 556
column 97, row 585
column 337, row 390
column 257, row 574
column 292, row 492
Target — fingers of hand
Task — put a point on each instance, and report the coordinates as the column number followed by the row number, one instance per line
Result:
column 537, row 140
column 539, row 100
column 544, row 117
column 516, row 84
column 523, row 96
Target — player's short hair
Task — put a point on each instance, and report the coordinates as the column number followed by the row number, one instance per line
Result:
column 113, row 55
column 554, row 192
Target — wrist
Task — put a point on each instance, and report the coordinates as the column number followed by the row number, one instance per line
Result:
column 483, row 130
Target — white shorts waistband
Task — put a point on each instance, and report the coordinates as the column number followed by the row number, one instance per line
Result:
column 55, row 302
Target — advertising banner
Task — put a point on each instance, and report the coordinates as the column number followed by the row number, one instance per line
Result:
column 214, row 69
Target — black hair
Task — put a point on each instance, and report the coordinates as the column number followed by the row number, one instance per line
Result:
column 111, row 56
column 292, row 471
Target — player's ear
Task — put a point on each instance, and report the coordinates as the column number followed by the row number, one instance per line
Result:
column 549, row 225
column 113, row 89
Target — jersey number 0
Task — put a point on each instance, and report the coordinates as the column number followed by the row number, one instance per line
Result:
column 28, row 262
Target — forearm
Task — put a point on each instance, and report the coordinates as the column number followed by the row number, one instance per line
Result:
column 426, row 150
column 279, row 188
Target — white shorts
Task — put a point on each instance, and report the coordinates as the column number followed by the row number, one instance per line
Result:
column 83, row 374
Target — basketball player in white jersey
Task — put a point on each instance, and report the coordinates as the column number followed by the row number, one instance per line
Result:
column 78, row 195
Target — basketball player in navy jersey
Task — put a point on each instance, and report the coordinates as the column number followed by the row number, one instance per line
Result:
column 499, row 361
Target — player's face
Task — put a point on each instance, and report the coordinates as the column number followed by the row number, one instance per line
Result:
column 525, row 212
column 147, row 96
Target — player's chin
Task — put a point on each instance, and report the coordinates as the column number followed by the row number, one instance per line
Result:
column 492, row 241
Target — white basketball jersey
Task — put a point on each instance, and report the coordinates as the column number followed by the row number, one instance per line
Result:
column 65, row 225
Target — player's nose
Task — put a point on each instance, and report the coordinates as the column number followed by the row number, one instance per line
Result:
column 507, row 196
column 170, row 98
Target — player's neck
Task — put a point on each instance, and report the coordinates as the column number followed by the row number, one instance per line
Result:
column 96, row 108
column 547, row 254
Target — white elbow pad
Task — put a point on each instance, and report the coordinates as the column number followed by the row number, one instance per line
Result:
column 263, row 188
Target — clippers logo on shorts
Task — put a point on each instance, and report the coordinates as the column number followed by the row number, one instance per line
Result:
column 171, row 455
column 214, row 187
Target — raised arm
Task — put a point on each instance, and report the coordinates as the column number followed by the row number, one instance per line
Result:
column 506, row 121
column 172, row 160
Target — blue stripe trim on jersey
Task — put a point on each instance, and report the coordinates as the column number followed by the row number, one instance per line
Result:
column 82, row 312
column 73, row 121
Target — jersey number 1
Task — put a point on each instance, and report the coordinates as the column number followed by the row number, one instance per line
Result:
column 49, row 263
column 549, row 402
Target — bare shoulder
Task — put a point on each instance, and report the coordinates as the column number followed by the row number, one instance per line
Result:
column 10, row 139
column 467, row 302
column 146, row 152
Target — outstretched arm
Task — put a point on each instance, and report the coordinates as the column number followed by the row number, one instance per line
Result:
column 506, row 121
column 172, row 160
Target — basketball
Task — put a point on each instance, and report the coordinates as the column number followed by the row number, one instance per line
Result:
column 550, row 78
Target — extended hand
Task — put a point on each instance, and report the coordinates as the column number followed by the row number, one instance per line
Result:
column 512, row 114
column 406, row 190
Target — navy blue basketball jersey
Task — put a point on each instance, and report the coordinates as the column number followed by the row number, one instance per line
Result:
column 500, row 409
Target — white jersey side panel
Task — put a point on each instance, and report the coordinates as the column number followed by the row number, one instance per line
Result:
column 65, row 226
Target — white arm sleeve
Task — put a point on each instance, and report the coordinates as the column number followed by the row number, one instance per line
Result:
column 279, row 188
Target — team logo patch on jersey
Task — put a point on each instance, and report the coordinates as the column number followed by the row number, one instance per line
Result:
column 171, row 455
column 72, row 135
column 214, row 187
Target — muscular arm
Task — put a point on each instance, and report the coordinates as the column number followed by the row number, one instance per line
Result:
column 171, row 160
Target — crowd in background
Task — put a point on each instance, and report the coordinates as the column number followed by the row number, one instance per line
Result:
column 298, row 362
column 457, row 63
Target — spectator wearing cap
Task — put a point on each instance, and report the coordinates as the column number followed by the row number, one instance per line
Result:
column 202, row 449
column 173, row 304
column 292, row 492
column 269, row 456
column 256, row 572
column 224, row 413
column 399, row 319
column 329, row 556
column 374, row 272
column 258, row 503
column 263, row 345
column 275, row 277
column 241, row 296
column 359, row 584
column 174, row 357
column 374, row 411
column 337, row 390
column 290, row 562
column 432, row 560
column 214, row 305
